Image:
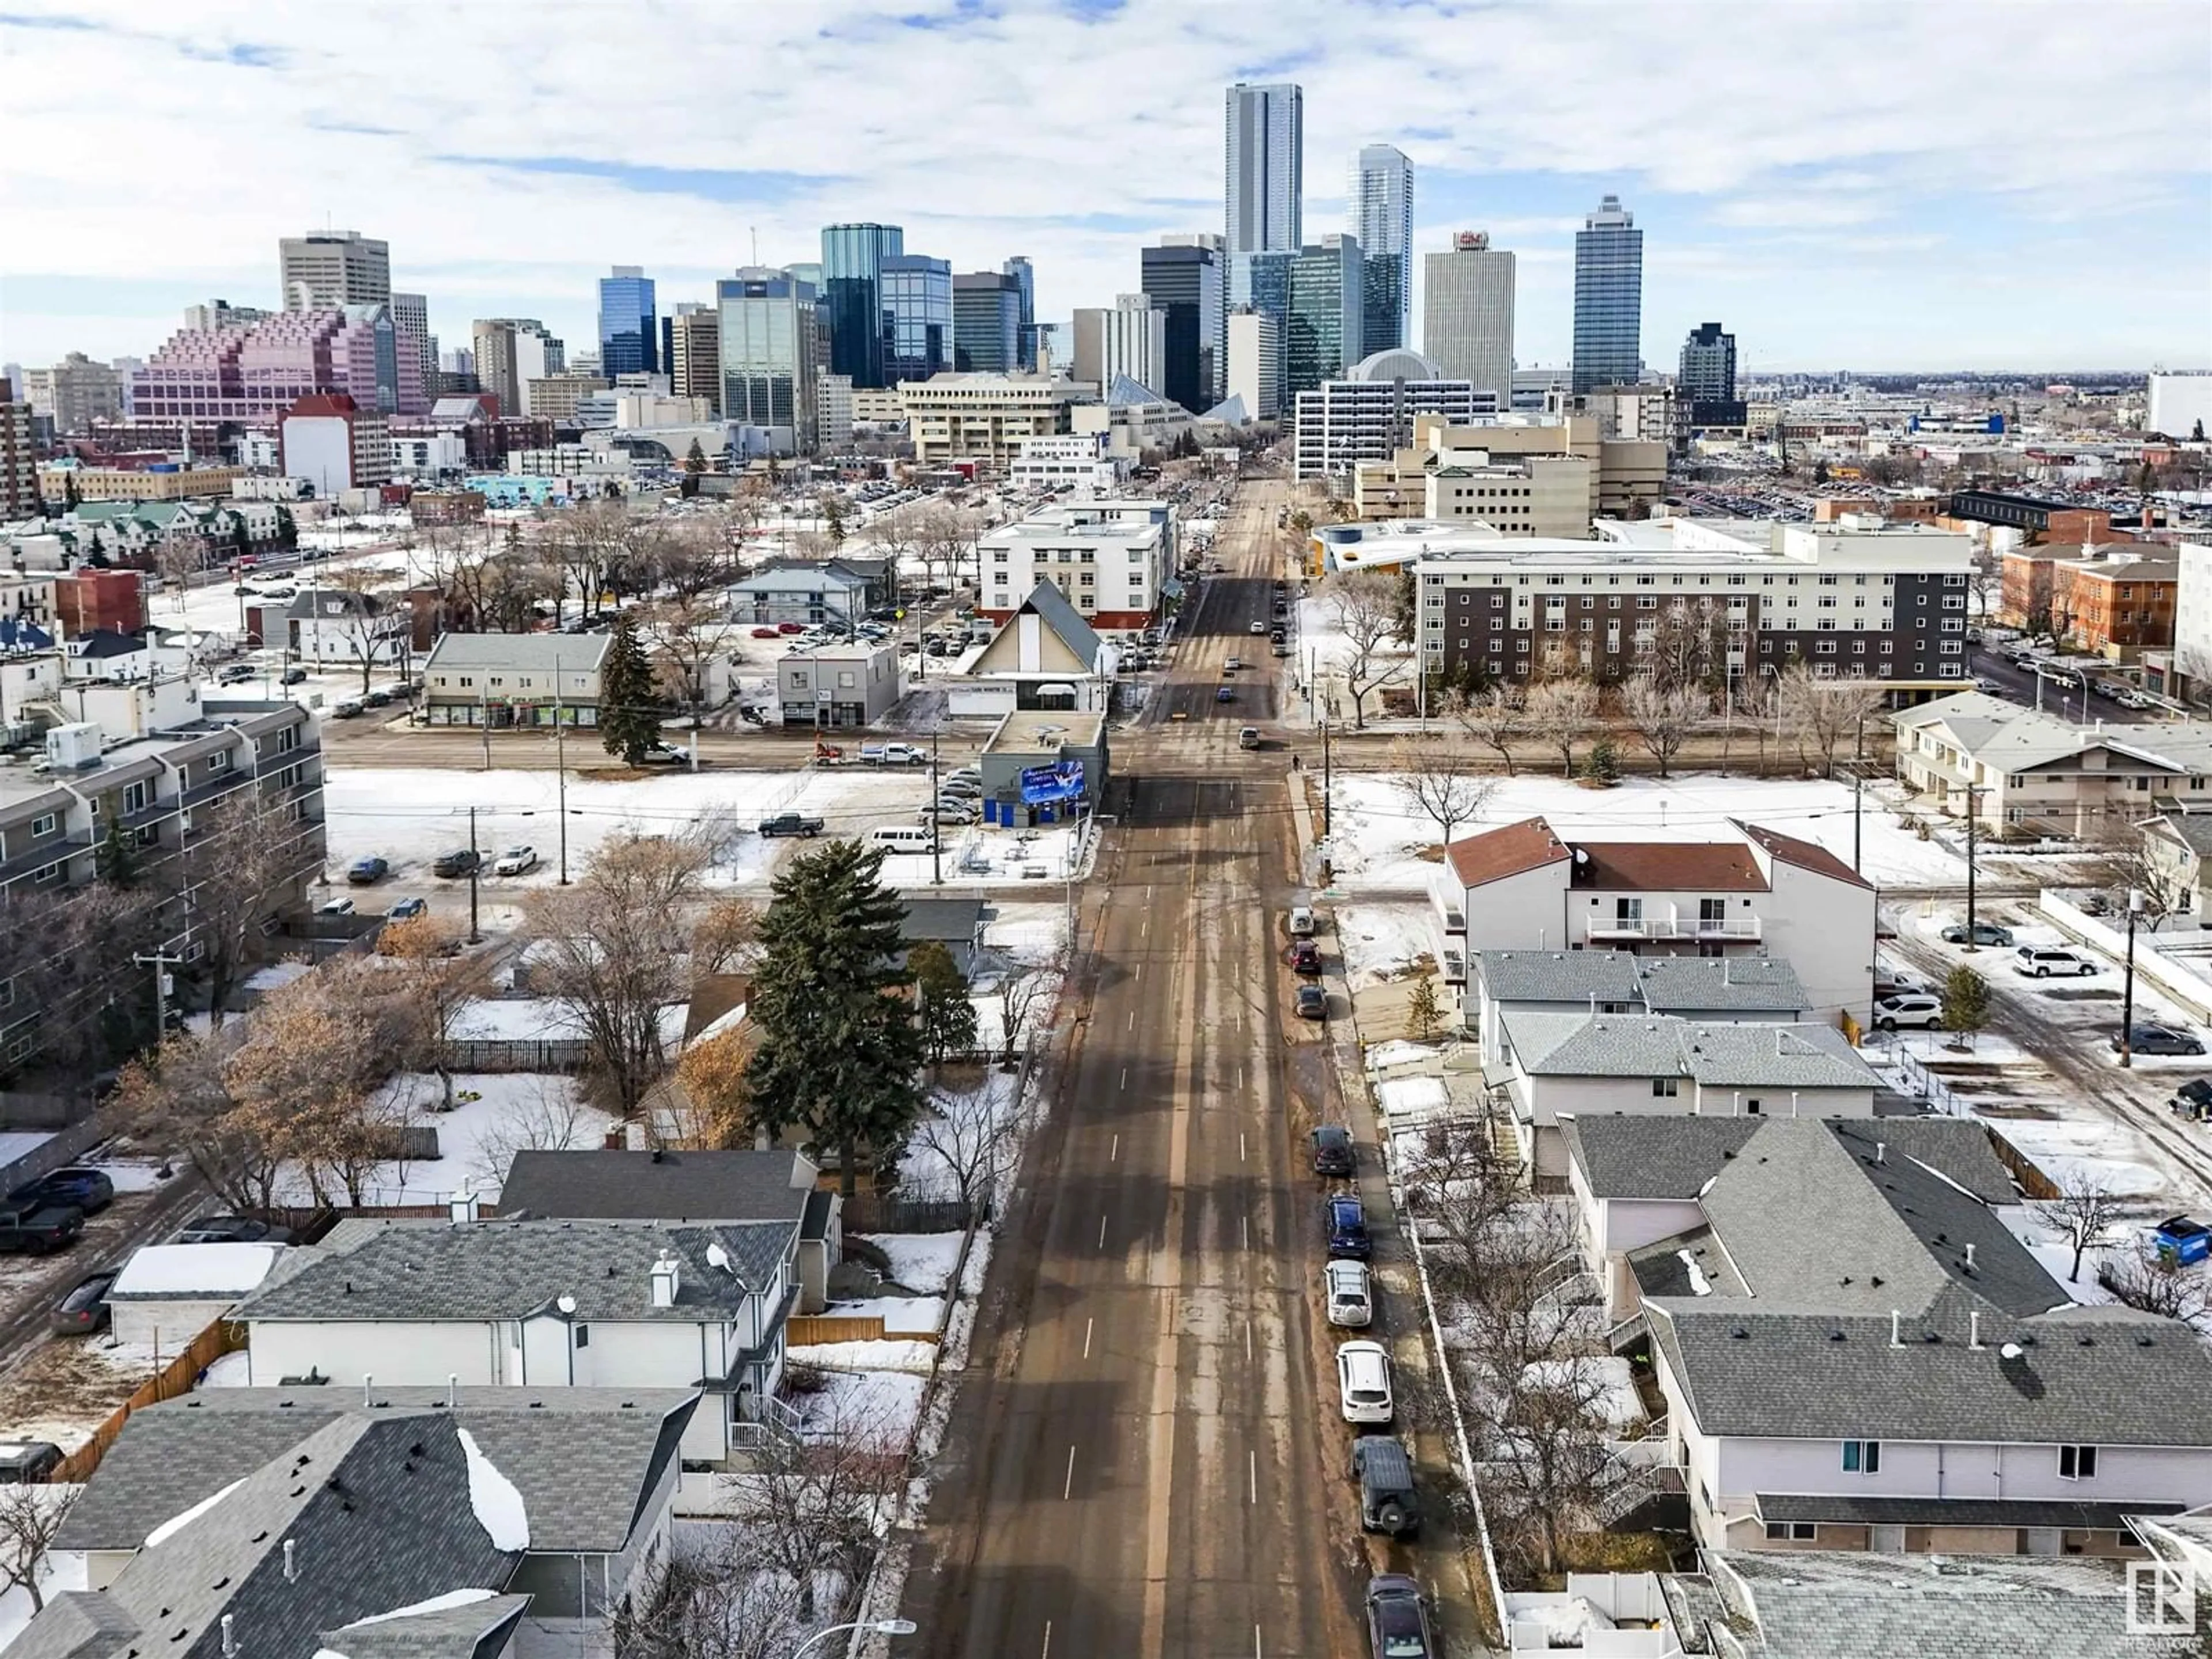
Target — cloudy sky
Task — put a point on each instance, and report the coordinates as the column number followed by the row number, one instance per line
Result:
column 1871, row 185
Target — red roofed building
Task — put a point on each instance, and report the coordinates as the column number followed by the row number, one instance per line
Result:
column 333, row 443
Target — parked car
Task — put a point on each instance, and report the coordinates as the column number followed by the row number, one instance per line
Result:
column 237, row 674
column 1398, row 1620
column 1259, row 628
column 1909, row 1011
column 1350, row 1296
column 347, row 709
column 791, row 628
column 379, row 698
column 2161, row 1040
column 232, row 1230
column 462, row 861
column 84, row 1309
column 2194, row 1098
column 28, row 1463
column 40, row 1230
column 1890, row 981
column 1387, row 1501
column 337, row 907
column 788, row 823
column 517, row 861
column 1347, row 1227
column 2041, row 961
column 89, row 1189
column 1302, row 920
column 1305, row 957
column 969, row 774
column 408, row 909
column 948, row 811
column 367, row 873
column 1986, row 932
column 767, row 633
column 960, row 788
column 893, row 754
column 293, row 677
column 1363, row 1382
column 1333, row 1153
column 1312, row 1002
column 1248, row 737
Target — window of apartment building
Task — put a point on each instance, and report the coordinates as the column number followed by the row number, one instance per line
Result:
column 1954, row 648
column 7, row 993
column 1498, row 602
column 1827, row 603
column 1647, row 601
column 1647, row 581
column 1497, row 665
column 1555, row 624
column 1888, row 646
column 1954, row 602
column 46, row 877
column 1858, row 647
column 1862, row 1457
column 1589, row 603
column 1954, row 625
column 1954, row 581
column 2077, row 1462
column 1666, row 1088
column 1793, row 1532
column 20, row 1049
column 43, row 824
column 1824, row 647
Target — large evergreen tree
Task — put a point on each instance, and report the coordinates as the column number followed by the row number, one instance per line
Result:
column 839, row 1052
column 115, row 860
column 630, row 719
column 948, row 1017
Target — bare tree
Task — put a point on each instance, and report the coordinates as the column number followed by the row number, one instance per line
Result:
column 1560, row 714
column 243, row 863
column 1023, row 996
column 1495, row 717
column 1664, row 718
column 1986, row 574
column 2132, row 863
column 1367, row 613
column 1688, row 645
column 1824, row 712
column 365, row 624
column 2140, row 1278
column 814, row 1510
column 1439, row 777
column 972, row 1134
column 177, row 1100
column 30, row 1518
column 439, row 979
column 690, row 632
column 2082, row 1214
column 945, row 534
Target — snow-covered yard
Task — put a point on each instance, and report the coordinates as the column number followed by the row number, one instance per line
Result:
column 922, row 1262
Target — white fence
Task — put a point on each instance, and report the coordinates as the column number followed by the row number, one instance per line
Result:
column 2177, row 980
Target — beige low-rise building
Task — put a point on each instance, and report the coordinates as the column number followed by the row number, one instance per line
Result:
column 1623, row 478
column 115, row 484
column 984, row 418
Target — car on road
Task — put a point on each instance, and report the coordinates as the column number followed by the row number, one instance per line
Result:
column 348, row 710
column 88, row 1188
column 1231, row 664
column 1302, row 920
column 293, row 677
column 1363, row 1382
column 1305, row 957
column 408, row 908
column 84, row 1309
column 237, row 674
column 788, row 823
column 1350, row 1294
column 1347, row 1227
column 232, row 1230
column 2161, row 1040
column 893, row 754
column 2041, row 961
column 1312, row 1001
column 1333, row 1153
column 462, row 861
column 517, row 861
column 1986, row 932
column 1225, row 693
column 1398, row 1620
column 367, row 873
column 1387, row 1501
column 1248, row 737
column 37, row 1231
column 1909, row 1011
column 767, row 633
column 2194, row 1098
column 1259, row 628
column 791, row 628
column 1890, row 981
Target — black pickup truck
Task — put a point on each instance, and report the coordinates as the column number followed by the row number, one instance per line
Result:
column 37, row 1231
column 789, row 823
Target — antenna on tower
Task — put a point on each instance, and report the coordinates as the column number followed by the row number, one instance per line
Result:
column 754, row 231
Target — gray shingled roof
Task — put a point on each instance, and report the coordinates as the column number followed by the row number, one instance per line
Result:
column 513, row 1269
column 1718, row 1055
column 666, row 1186
column 1656, row 1156
column 2095, row 1375
column 1850, row 1509
column 1557, row 976
column 480, row 1628
column 575, row 654
column 1698, row 985
column 583, row 1459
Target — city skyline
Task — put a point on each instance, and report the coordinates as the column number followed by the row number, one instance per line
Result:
column 1802, row 230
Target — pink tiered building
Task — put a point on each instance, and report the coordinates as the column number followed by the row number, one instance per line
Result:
column 254, row 374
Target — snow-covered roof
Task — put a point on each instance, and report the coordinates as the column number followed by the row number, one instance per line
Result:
column 194, row 1270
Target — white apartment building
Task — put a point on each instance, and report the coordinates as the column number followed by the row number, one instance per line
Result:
column 2180, row 405
column 2190, row 666
column 983, row 418
column 833, row 408
column 1128, row 339
column 1255, row 362
column 1109, row 560
column 1369, row 415
column 1078, row 461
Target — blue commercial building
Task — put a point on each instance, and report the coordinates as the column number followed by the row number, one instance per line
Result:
column 917, row 317
column 1183, row 279
column 1381, row 214
column 987, row 322
column 630, row 333
column 853, row 287
column 1324, row 313
column 1026, row 326
column 1608, row 299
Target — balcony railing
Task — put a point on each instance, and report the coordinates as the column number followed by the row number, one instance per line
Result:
column 1662, row 928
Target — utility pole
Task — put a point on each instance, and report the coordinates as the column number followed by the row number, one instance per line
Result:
column 161, row 962
column 936, row 831
column 561, row 769
column 476, row 863
column 1324, row 779
column 1858, row 813
column 1973, row 824
column 2128, row 992
column 484, row 719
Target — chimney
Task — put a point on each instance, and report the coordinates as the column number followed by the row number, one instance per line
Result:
column 367, row 1382
column 1973, row 1324
column 465, row 1206
column 664, row 1281
column 291, row 1565
column 1896, row 1329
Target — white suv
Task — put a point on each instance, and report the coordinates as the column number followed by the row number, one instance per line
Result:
column 2041, row 961
column 1350, row 1300
column 1909, row 1011
column 1363, row 1380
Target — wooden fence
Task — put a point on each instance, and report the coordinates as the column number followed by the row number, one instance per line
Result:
column 176, row 1377
column 806, row 1330
column 2032, row 1181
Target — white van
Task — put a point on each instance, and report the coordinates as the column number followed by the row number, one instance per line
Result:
column 903, row 837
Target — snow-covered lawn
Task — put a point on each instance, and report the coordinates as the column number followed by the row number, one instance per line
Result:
column 55, row 1575
column 903, row 1315
column 1378, row 835
column 888, row 1355
column 972, row 1127
column 1380, row 939
column 881, row 1404
column 2100, row 1152
column 922, row 1262
column 1412, row 1100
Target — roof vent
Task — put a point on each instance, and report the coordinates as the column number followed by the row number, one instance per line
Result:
column 1969, row 1258
column 2012, row 1351
column 291, row 1564
column 1896, row 1329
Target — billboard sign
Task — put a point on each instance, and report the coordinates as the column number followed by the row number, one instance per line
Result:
column 1043, row 785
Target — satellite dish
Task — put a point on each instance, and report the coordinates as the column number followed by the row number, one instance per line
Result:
column 719, row 1257
column 566, row 1305
column 2011, row 1351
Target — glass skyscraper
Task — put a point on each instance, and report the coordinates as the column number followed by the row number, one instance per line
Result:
column 1182, row 277
column 1264, row 154
column 629, row 335
column 853, row 281
column 769, row 358
column 1608, row 299
column 1380, row 212
column 917, row 317
column 987, row 322
column 1324, row 310
column 1025, row 328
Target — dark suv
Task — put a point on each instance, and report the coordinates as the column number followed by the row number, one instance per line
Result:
column 1348, row 1228
column 90, row 1190
column 1387, row 1501
column 39, row 1231
column 1398, row 1619
column 1331, row 1150
column 460, row 862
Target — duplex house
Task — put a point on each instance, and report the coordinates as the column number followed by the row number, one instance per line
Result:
column 1857, row 1352
column 543, row 1305
column 1753, row 893
column 445, row 1523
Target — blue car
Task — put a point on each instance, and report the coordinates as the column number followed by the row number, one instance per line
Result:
column 367, row 872
column 90, row 1190
column 1347, row 1229
column 408, row 908
column 1226, row 694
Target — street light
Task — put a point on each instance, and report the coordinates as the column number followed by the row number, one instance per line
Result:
column 2128, row 992
column 873, row 1626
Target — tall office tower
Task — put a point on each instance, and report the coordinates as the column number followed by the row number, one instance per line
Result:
column 853, row 282
column 629, row 335
column 19, row 471
column 1183, row 277
column 694, row 352
column 1706, row 385
column 986, row 321
column 76, row 392
column 1324, row 310
column 410, row 321
column 510, row 352
column 1026, row 337
column 327, row 269
column 768, row 357
column 1128, row 340
column 1264, row 150
column 917, row 301
column 1380, row 212
column 1467, row 314
column 1255, row 362
column 1608, row 299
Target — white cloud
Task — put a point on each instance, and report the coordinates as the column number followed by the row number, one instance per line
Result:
column 138, row 147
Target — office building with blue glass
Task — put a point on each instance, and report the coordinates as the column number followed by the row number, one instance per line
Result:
column 1324, row 310
column 987, row 322
column 630, row 333
column 1381, row 203
column 1608, row 299
column 853, row 258
column 768, row 342
column 917, row 317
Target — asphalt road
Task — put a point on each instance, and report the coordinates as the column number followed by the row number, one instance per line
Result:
column 1146, row 1458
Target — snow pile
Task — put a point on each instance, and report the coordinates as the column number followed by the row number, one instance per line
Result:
column 903, row 1315
column 922, row 1262
column 1567, row 1622
column 1413, row 1096
column 1396, row 1051
column 493, row 1498
column 176, row 1523
column 196, row 1269
column 1700, row 1284
column 453, row 1598
column 888, row 1355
